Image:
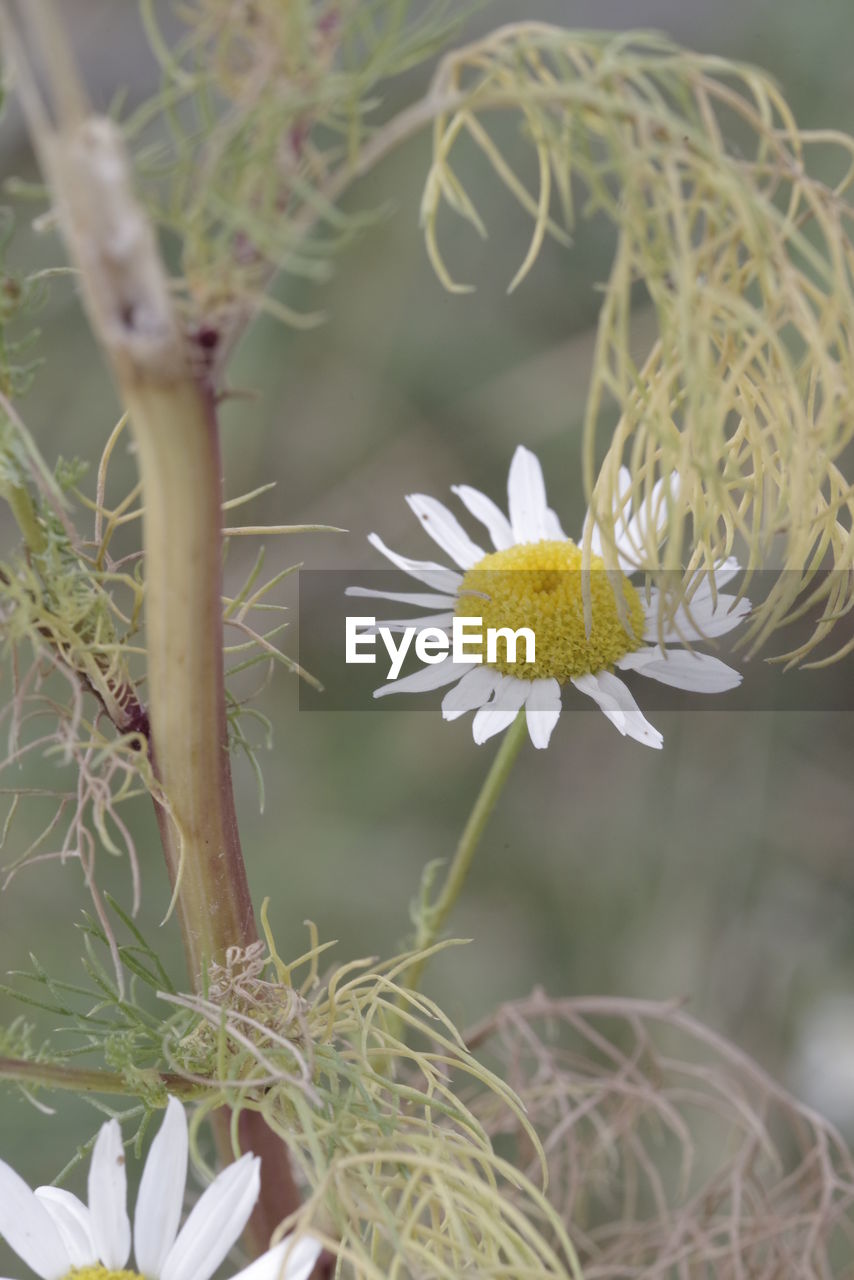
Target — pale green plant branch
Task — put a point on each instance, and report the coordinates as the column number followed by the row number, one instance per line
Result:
column 22, row 508
column 431, row 915
column 128, row 301
column 86, row 1080
column 129, row 304
column 52, row 596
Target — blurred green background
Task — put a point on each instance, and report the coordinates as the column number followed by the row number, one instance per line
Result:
column 719, row 869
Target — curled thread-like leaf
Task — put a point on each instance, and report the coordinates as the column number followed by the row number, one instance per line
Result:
column 744, row 259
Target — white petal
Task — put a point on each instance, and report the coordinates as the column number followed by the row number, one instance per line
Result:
column 434, row 575
column 701, row 619
column 717, row 620
column 705, row 587
column 554, row 529
column 624, row 483
column 619, row 706
column 215, row 1223
column 109, row 1221
column 649, row 522
column 702, row 604
column 71, row 1219
column 526, row 493
column 422, row 620
column 484, row 509
column 474, row 690
column 630, row 527
column 161, row 1193
column 432, row 676
column 423, row 599
column 498, row 715
column 651, row 605
column 445, row 530
column 300, row 1264
column 654, row 515
column 682, row 669
column 28, row 1229
column 542, row 710
column 722, row 573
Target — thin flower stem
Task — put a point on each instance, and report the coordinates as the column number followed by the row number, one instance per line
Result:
column 434, row 914
column 51, row 1075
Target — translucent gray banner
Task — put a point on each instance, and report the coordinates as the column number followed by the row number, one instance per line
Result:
column 329, row 618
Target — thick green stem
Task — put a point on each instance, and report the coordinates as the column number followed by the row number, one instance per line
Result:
column 129, row 302
column 178, row 452
column 434, row 914
column 128, row 299
column 177, row 442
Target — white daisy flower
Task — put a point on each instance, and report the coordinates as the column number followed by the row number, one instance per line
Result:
column 532, row 579
column 59, row 1237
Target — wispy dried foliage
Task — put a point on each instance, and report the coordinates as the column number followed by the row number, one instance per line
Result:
column 670, row 1152
column 746, row 261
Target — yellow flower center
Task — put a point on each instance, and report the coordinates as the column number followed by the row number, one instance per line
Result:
column 539, row 585
column 97, row 1272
